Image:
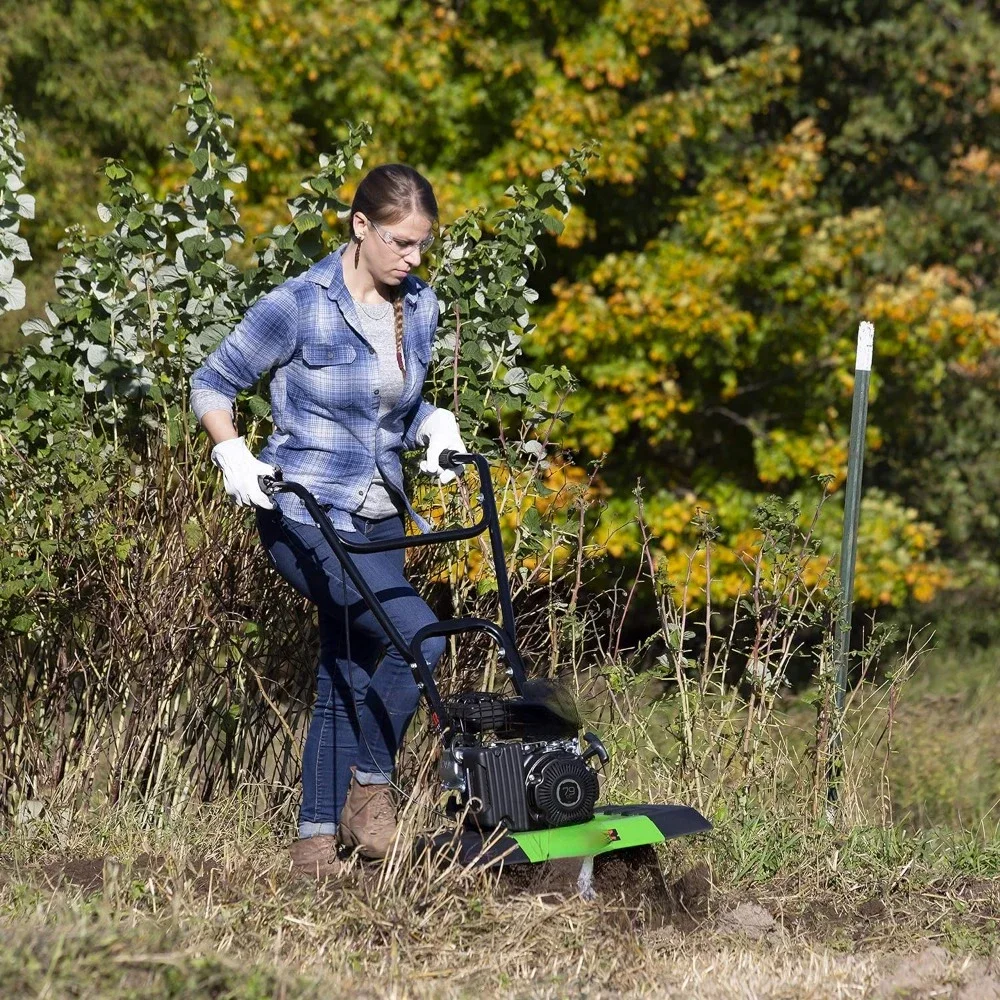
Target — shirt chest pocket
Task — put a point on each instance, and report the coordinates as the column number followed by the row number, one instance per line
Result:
column 328, row 376
column 325, row 355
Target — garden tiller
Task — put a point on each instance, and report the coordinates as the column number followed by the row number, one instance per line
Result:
column 521, row 773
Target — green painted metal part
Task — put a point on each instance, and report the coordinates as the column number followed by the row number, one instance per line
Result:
column 613, row 828
column 597, row 836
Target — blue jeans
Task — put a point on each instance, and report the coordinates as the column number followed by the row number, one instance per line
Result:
column 365, row 691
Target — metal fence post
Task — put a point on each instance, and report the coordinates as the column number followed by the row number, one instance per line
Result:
column 849, row 547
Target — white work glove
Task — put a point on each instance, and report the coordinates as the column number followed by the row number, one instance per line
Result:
column 438, row 432
column 240, row 471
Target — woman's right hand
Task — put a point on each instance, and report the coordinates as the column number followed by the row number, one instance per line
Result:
column 240, row 471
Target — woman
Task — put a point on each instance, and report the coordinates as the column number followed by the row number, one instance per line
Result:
column 348, row 343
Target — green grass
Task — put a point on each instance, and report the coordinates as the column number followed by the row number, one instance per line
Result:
column 945, row 768
column 125, row 902
column 204, row 905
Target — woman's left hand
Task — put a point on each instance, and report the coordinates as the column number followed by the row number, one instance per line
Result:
column 439, row 432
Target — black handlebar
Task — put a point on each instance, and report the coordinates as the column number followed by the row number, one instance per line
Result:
column 489, row 520
column 447, row 460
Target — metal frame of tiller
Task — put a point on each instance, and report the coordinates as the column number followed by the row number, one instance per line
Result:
column 612, row 828
column 504, row 634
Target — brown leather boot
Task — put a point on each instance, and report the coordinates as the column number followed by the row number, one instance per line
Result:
column 368, row 820
column 316, row 856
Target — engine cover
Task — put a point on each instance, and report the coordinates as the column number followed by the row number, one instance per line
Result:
column 522, row 787
column 562, row 789
column 495, row 785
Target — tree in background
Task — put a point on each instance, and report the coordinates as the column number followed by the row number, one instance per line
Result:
column 88, row 81
column 766, row 180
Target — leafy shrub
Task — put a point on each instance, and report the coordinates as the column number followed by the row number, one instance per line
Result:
column 129, row 590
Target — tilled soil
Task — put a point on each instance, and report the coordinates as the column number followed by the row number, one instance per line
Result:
column 90, row 875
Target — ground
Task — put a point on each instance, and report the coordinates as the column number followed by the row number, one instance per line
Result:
column 132, row 901
column 230, row 920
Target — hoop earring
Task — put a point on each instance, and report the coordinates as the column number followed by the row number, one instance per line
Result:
column 357, row 255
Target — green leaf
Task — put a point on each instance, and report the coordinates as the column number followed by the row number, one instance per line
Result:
column 552, row 225
column 308, row 220
column 259, row 406
column 23, row 623
column 38, row 401
column 531, row 521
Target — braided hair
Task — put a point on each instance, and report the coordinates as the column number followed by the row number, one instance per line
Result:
column 386, row 195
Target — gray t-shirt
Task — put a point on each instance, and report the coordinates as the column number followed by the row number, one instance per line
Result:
column 379, row 325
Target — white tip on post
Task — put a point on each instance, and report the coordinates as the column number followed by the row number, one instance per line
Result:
column 866, row 340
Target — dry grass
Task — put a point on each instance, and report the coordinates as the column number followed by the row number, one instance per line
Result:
column 150, row 761
column 773, row 903
column 206, row 906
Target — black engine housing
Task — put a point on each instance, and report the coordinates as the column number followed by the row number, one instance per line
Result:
column 516, row 762
column 561, row 787
column 523, row 786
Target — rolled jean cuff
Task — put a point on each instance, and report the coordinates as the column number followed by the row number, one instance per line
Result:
column 372, row 778
column 307, row 830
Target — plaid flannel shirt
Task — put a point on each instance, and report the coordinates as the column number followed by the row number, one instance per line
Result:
column 325, row 388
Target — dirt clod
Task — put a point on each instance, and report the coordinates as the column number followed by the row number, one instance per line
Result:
column 548, row 879
column 913, row 975
column 91, row 875
column 979, row 986
column 749, row 920
column 872, row 909
column 690, row 894
column 631, row 878
column 83, row 873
